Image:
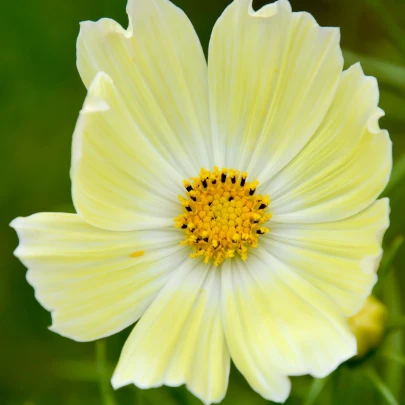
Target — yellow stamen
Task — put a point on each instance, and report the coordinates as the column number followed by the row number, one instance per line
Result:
column 223, row 215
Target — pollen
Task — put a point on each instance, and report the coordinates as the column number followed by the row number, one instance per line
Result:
column 223, row 215
column 139, row 253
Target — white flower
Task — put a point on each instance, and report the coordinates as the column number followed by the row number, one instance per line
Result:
column 274, row 272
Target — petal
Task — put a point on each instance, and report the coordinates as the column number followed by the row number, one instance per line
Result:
column 272, row 76
column 244, row 326
column 277, row 324
column 180, row 338
column 159, row 68
column 344, row 167
column 340, row 258
column 120, row 181
column 95, row 282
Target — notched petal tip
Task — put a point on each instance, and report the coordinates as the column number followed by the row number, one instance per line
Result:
column 372, row 125
column 380, row 234
column 14, row 223
column 204, row 400
column 282, row 396
column 96, row 97
column 331, row 35
column 95, row 102
column 60, row 329
column 17, row 224
column 116, row 383
column 358, row 74
column 102, row 28
column 269, row 10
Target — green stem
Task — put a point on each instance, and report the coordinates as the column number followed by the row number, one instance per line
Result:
column 387, row 73
column 317, row 386
column 381, row 387
column 104, row 380
column 393, row 372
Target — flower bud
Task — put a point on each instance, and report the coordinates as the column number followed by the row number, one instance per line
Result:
column 368, row 325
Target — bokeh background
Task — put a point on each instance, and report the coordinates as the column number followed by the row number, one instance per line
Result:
column 41, row 94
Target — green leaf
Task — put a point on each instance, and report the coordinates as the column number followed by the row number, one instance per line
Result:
column 104, row 377
column 381, row 387
column 318, row 384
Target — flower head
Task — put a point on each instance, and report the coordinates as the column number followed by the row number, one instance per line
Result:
column 222, row 215
column 231, row 209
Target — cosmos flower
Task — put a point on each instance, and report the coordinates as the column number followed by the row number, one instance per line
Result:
column 231, row 209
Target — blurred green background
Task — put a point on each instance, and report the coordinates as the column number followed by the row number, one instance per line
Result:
column 41, row 95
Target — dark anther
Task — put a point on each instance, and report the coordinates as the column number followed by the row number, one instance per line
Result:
column 260, row 232
column 223, row 177
column 189, row 188
column 210, row 204
column 188, row 208
column 233, row 179
column 252, row 191
column 214, row 182
column 243, row 181
column 256, row 222
column 193, row 198
column 184, row 226
column 205, row 239
column 262, row 206
column 197, row 240
column 204, row 183
column 230, row 199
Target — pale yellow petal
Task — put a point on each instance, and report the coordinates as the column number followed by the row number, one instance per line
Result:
column 158, row 66
column 272, row 77
column 344, row 167
column 180, row 338
column 340, row 258
column 243, row 321
column 95, row 282
column 120, row 181
column 277, row 324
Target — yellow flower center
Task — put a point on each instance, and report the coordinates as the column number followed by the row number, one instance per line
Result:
column 222, row 214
